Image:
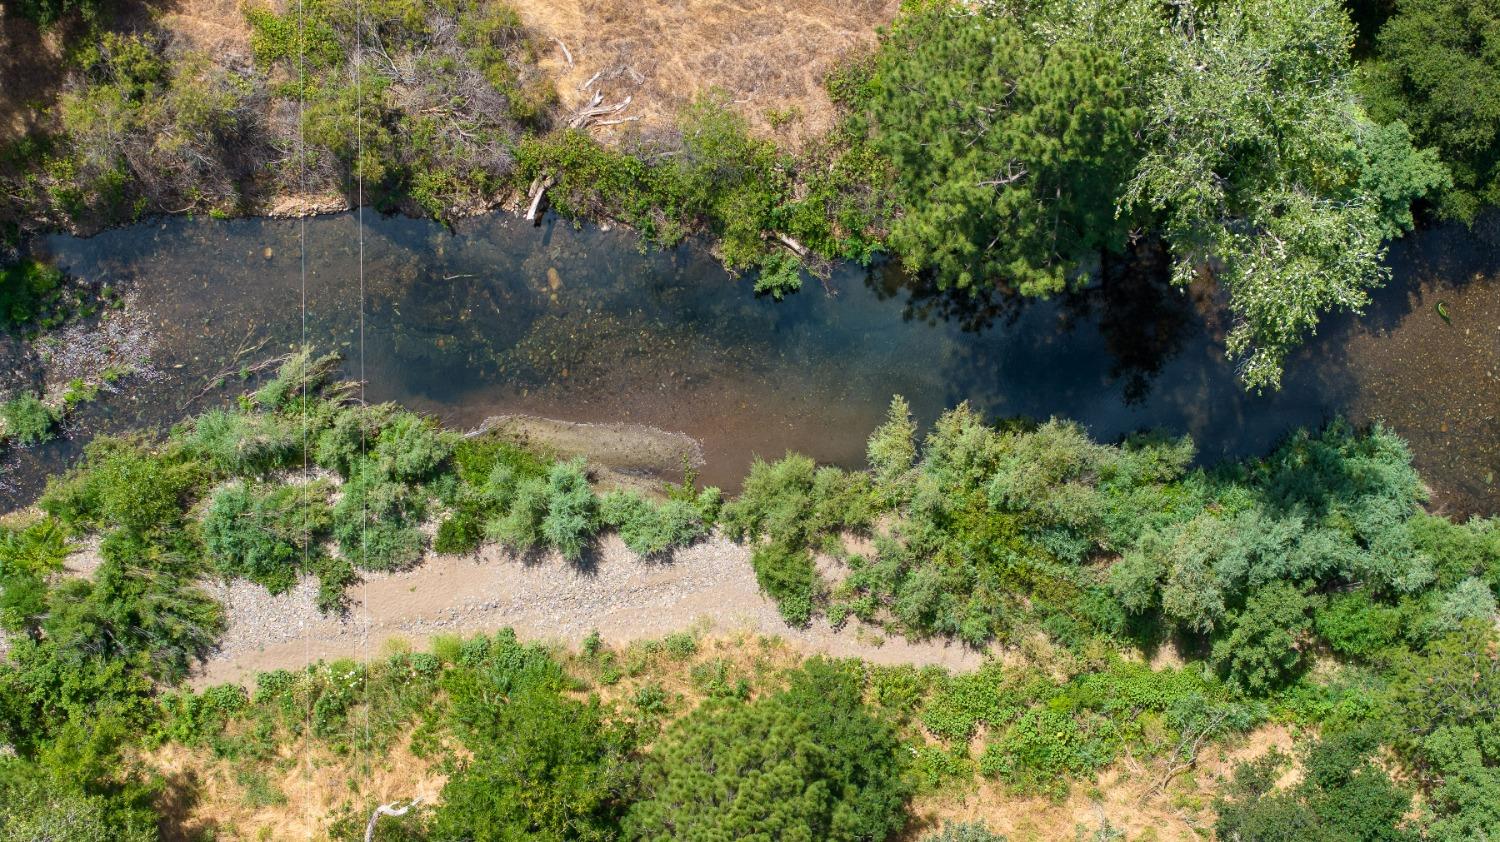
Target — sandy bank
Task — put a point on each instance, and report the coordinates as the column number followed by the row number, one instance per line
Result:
column 709, row 587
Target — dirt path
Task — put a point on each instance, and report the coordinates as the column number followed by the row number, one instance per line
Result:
column 709, row 587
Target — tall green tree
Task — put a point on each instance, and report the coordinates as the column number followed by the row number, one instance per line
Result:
column 1437, row 68
column 1010, row 150
column 1264, row 168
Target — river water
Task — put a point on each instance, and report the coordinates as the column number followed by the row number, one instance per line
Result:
column 582, row 324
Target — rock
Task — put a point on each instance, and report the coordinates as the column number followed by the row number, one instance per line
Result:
column 268, row 253
column 554, row 280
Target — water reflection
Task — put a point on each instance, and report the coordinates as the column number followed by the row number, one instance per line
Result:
column 582, row 324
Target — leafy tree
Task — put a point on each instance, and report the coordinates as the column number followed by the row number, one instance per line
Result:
column 41, row 804
column 1264, row 643
column 811, row 763
column 1011, row 151
column 50, row 12
column 1437, row 69
column 1442, row 715
column 1259, row 158
column 547, row 768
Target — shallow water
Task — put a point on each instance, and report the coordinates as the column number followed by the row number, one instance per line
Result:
column 580, row 324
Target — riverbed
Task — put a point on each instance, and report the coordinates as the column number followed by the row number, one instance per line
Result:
column 581, row 323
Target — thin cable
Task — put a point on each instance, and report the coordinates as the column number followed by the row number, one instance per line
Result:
column 306, row 471
column 359, row 117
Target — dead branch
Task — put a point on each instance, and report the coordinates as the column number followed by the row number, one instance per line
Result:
column 1185, row 755
column 614, row 122
column 568, row 54
column 1012, row 175
column 594, row 110
column 591, row 81
column 388, row 810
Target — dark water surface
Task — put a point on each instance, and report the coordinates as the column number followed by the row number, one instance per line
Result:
column 578, row 324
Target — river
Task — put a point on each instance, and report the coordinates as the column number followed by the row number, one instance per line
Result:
column 580, row 323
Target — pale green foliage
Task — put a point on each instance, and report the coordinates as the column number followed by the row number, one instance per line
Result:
column 963, row 832
column 892, row 448
column 245, row 443
column 1260, row 159
column 647, row 529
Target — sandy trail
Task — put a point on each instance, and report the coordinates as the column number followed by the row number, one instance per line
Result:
column 709, row 587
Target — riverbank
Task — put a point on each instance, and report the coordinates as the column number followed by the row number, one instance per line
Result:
column 708, row 588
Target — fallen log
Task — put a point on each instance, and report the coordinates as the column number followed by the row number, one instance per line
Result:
column 539, row 187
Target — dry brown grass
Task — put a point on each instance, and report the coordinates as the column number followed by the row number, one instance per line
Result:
column 204, row 794
column 1125, row 795
column 765, row 56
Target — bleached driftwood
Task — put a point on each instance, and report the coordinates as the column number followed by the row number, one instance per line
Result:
column 539, row 187
column 388, row 810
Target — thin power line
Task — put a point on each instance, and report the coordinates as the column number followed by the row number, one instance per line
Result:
column 306, row 472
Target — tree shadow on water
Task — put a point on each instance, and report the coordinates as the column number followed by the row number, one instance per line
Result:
column 1143, row 319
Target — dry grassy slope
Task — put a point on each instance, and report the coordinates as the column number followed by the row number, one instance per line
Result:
column 1127, row 794
column 763, row 54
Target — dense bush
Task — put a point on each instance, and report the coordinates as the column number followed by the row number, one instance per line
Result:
column 27, row 419
column 1444, row 727
column 651, row 529
column 125, row 482
column 1437, row 68
column 547, row 768
column 1344, row 794
column 809, row 763
column 28, row 290
column 267, row 534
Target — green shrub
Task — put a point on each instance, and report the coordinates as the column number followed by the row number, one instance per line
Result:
column 28, row 290
column 267, row 534
column 246, row 444
column 520, row 527
column 808, row 763
column 123, row 482
column 1045, row 747
column 459, row 534
column 651, row 530
column 1356, row 625
column 572, row 509
column 27, row 419
column 375, row 521
column 1344, row 794
column 542, row 767
column 788, row 576
column 990, row 696
column 410, row 449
